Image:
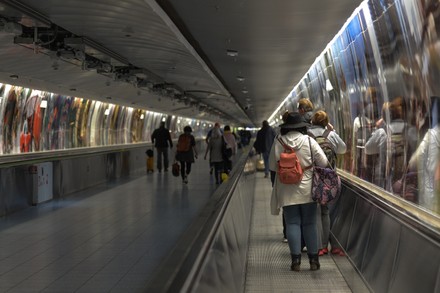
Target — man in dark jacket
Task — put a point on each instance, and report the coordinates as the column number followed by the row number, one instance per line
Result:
column 161, row 139
column 263, row 144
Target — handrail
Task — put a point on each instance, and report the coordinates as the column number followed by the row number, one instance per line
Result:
column 178, row 273
column 55, row 155
column 413, row 214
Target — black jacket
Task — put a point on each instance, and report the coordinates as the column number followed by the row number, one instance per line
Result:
column 161, row 137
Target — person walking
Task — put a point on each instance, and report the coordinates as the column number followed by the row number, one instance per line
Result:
column 296, row 199
column 186, row 152
column 322, row 131
column 215, row 149
column 263, row 144
column 305, row 108
column 161, row 139
column 208, row 137
column 231, row 143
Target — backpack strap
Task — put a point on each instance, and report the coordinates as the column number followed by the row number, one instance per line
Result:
column 285, row 145
column 311, row 166
column 325, row 133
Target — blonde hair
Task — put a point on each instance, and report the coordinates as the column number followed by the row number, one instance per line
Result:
column 320, row 118
column 305, row 104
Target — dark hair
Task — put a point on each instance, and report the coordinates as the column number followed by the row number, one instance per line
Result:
column 284, row 131
column 187, row 129
column 226, row 128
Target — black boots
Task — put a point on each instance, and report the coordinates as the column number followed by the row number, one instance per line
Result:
column 296, row 262
column 314, row 262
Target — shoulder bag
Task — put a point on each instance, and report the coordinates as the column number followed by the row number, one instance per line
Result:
column 326, row 184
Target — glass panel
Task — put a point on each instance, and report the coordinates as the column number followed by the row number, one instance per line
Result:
column 384, row 97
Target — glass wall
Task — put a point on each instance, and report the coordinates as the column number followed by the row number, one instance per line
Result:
column 33, row 121
column 379, row 81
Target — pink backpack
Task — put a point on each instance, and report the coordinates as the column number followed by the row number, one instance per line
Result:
column 289, row 168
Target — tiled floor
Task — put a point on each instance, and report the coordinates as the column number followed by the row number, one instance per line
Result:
column 107, row 239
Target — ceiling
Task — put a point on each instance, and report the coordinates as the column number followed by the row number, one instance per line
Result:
column 232, row 61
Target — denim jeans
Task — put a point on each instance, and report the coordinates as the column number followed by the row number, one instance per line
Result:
column 305, row 215
column 266, row 162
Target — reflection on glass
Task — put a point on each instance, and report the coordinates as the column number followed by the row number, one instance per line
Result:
column 384, row 67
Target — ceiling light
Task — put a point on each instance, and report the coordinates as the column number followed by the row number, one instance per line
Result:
column 13, row 76
column 240, row 78
column 244, row 91
column 232, row 53
column 107, row 112
column 142, row 116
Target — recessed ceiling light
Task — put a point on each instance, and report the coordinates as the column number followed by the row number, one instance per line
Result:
column 232, row 53
column 240, row 78
column 13, row 76
column 73, row 89
column 108, row 98
column 244, row 91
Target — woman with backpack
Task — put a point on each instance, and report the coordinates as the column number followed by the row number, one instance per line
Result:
column 330, row 142
column 185, row 152
column 296, row 199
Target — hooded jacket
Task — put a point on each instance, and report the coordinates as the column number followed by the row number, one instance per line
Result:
column 292, row 194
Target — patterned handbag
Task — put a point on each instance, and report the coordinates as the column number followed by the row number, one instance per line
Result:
column 326, row 184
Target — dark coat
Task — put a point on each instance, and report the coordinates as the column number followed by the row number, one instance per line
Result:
column 264, row 141
column 161, row 138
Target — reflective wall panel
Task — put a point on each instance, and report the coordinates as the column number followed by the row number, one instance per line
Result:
column 378, row 81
